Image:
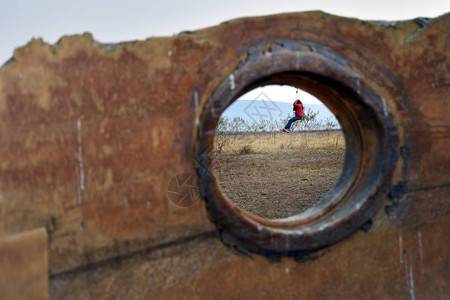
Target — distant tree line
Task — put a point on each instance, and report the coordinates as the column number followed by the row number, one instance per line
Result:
column 310, row 122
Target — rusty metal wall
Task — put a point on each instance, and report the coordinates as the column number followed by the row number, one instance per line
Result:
column 92, row 137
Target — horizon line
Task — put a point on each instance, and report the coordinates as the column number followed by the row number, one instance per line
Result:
column 318, row 102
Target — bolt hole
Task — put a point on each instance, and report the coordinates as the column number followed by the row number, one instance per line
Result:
column 274, row 174
column 371, row 150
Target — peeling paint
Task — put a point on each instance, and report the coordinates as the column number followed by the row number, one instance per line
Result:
column 419, row 236
column 80, row 162
column 400, row 244
column 422, row 22
column 196, row 100
column 214, row 112
column 411, row 284
column 385, row 110
column 232, row 83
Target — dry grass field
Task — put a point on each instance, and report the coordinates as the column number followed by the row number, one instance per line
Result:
column 276, row 175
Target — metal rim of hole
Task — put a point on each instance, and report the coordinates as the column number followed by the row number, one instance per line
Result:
column 370, row 158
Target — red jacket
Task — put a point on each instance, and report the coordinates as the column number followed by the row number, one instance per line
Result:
column 298, row 108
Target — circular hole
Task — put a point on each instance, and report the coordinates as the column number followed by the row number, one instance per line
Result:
column 274, row 174
column 370, row 155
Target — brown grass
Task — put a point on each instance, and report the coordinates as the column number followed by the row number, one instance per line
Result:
column 279, row 175
column 264, row 143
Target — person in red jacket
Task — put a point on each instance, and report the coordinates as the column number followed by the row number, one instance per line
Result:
column 298, row 109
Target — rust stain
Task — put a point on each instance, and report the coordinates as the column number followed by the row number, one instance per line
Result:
column 91, row 136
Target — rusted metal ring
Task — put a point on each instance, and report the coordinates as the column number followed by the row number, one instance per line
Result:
column 371, row 152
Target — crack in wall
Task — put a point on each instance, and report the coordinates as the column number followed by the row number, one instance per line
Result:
column 422, row 22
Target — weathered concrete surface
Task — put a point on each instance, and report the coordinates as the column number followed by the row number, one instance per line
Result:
column 388, row 264
column 24, row 265
column 91, row 135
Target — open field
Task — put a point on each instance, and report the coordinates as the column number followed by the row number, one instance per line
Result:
column 276, row 175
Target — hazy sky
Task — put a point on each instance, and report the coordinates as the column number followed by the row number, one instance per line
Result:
column 285, row 93
column 116, row 21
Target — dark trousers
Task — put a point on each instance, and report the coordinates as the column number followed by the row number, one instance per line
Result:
column 292, row 120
